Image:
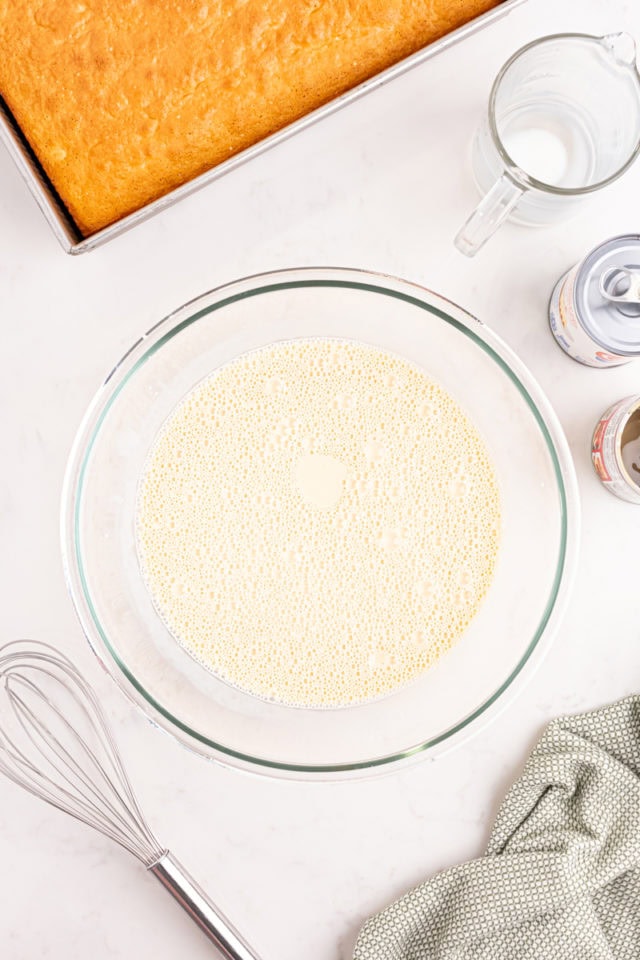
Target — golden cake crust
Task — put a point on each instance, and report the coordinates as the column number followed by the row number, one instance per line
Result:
column 123, row 100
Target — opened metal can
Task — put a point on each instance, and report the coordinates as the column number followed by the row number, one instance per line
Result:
column 615, row 449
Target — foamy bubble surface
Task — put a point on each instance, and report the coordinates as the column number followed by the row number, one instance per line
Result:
column 318, row 522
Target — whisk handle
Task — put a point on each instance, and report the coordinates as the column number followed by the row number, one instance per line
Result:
column 195, row 902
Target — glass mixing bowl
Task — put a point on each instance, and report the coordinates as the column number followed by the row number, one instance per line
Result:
column 537, row 550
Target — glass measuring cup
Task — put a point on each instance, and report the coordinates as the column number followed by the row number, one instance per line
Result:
column 563, row 121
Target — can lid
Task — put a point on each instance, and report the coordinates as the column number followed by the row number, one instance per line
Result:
column 605, row 294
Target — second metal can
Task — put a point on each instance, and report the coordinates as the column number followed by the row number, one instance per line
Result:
column 615, row 449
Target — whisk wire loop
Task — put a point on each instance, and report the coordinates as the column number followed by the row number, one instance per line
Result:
column 56, row 742
column 54, row 753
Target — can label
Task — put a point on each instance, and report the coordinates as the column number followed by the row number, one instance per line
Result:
column 569, row 332
column 606, row 449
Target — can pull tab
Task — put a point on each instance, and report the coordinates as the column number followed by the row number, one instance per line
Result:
column 621, row 285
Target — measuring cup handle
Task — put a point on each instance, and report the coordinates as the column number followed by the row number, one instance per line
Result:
column 492, row 210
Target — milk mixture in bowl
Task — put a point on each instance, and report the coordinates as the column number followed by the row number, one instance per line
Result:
column 318, row 522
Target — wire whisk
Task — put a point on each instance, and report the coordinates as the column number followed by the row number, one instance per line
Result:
column 56, row 743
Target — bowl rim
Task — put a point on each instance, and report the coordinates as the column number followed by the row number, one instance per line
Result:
column 277, row 280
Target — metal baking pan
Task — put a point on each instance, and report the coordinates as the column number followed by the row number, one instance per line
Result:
column 67, row 232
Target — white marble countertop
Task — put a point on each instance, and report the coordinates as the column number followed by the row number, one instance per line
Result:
column 382, row 185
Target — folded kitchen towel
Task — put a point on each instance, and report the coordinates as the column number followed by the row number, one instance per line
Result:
column 561, row 876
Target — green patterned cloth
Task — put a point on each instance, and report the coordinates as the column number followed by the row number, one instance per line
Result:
column 561, row 876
